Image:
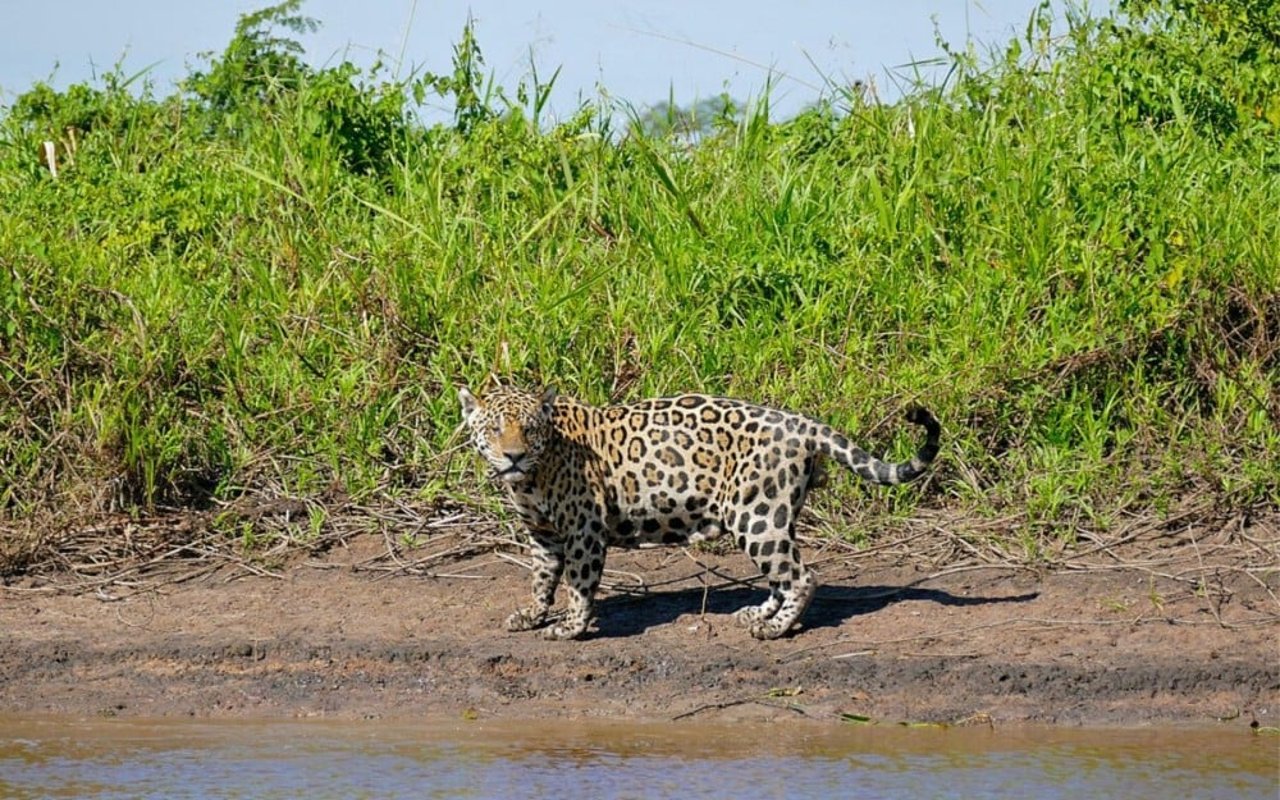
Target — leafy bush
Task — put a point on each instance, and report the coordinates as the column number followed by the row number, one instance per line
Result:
column 271, row 281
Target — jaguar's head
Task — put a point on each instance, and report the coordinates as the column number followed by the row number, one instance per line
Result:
column 510, row 427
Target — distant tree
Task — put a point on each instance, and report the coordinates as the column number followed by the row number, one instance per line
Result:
column 691, row 122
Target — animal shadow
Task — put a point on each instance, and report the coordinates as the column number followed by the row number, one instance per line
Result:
column 627, row 615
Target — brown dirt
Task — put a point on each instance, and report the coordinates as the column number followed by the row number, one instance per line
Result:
column 889, row 637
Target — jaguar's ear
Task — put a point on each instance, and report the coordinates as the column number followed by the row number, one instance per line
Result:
column 469, row 402
column 548, row 399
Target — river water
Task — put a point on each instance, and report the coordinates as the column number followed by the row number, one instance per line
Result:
column 110, row 758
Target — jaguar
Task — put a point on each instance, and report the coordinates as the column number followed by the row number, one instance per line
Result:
column 671, row 470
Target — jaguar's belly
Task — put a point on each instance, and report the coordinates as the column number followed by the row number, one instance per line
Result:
column 652, row 529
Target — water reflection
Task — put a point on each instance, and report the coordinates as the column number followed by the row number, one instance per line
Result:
column 128, row 758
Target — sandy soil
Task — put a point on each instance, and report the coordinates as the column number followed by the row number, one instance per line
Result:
column 885, row 639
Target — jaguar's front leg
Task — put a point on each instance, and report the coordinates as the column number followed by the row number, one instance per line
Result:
column 584, row 563
column 548, row 557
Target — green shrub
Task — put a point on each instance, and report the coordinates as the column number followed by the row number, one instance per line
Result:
column 272, row 280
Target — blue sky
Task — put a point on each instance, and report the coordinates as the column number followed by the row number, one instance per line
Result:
column 635, row 50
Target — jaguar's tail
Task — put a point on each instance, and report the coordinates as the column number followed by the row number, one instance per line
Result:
column 870, row 468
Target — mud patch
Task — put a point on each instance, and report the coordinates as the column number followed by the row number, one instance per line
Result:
column 882, row 640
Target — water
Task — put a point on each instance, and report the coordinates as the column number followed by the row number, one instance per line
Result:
column 457, row 759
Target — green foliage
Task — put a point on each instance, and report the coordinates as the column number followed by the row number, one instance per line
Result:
column 334, row 110
column 256, row 64
column 472, row 104
column 273, row 280
column 690, row 123
column 1214, row 61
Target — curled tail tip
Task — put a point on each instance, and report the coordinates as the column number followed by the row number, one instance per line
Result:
column 920, row 415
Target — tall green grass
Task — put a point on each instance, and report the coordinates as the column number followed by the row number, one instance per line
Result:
column 272, row 280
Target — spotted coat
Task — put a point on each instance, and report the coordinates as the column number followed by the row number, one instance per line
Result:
column 665, row 471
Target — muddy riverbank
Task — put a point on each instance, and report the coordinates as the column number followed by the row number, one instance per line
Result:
column 887, row 639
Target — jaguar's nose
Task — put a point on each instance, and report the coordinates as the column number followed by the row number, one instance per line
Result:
column 514, row 456
column 515, row 471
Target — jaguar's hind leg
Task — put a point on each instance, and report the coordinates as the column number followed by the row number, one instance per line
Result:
column 796, row 593
column 750, row 616
column 791, row 586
